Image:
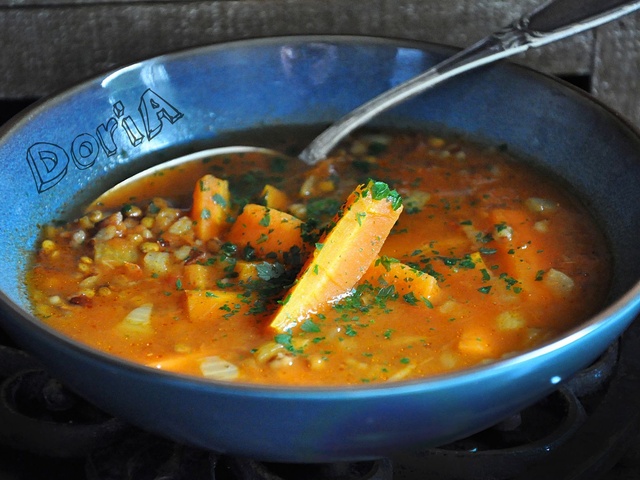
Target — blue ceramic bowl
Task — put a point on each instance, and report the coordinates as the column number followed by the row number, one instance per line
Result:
column 67, row 149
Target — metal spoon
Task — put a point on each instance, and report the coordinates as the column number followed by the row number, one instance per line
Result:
column 554, row 20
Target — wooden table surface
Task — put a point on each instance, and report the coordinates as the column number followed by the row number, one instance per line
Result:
column 48, row 45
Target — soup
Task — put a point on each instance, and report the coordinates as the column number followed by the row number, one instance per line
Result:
column 403, row 255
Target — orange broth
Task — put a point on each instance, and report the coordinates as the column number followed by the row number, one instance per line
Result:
column 488, row 258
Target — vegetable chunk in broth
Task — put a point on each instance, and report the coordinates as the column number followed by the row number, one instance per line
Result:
column 403, row 255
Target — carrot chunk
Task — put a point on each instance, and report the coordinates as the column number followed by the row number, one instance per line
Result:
column 269, row 231
column 344, row 253
column 201, row 277
column 407, row 280
column 210, row 210
column 518, row 247
column 478, row 340
column 275, row 198
column 211, row 305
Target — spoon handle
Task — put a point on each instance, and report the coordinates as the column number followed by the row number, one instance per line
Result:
column 554, row 20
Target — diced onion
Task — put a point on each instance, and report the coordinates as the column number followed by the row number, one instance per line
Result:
column 538, row 205
column 558, row 282
column 449, row 359
column 541, row 226
column 137, row 321
column 218, row 369
column 268, row 352
column 89, row 282
column 107, row 233
column 504, row 231
column 358, row 148
column 402, row 373
column 78, row 237
column 416, row 200
column 139, row 316
column 380, row 138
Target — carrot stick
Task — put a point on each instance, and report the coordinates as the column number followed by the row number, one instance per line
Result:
column 344, row 253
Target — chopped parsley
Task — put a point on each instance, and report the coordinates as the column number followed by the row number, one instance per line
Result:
column 381, row 191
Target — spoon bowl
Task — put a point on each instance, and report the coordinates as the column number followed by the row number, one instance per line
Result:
column 153, row 176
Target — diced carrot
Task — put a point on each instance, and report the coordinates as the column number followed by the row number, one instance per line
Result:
column 319, row 180
column 210, row 366
column 210, row 305
column 521, row 257
column 344, row 253
column 476, row 340
column 275, row 198
column 406, row 280
column 269, row 231
column 477, row 259
column 210, row 210
column 201, row 277
column 247, row 271
column 517, row 250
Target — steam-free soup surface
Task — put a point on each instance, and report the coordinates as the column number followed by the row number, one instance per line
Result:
column 223, row 275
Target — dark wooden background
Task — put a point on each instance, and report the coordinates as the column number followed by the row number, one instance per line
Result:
column 48, row 45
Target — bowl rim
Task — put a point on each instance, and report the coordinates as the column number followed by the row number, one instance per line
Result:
column 626, row 304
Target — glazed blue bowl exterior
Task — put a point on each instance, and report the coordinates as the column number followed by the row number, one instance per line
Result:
column 67, row 149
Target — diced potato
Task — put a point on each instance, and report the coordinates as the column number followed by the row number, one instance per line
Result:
column 157, row 263
column 510, row 320
column 116, row 252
